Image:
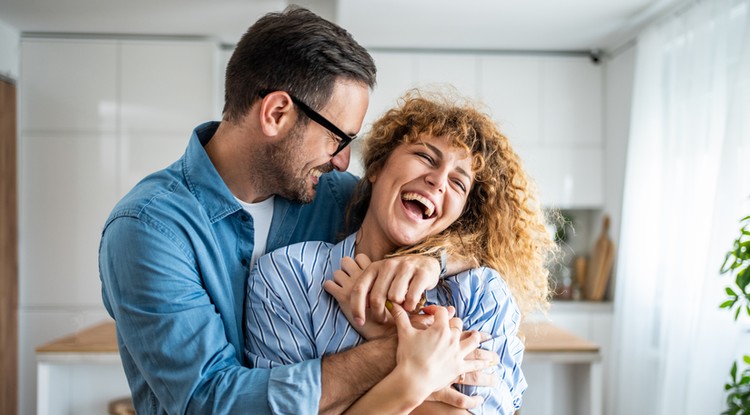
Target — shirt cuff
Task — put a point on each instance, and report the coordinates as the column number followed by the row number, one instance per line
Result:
column 295, row 389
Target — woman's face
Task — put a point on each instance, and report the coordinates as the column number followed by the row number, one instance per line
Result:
column 420, row 191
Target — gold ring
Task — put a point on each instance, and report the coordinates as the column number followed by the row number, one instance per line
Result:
column 460, row 378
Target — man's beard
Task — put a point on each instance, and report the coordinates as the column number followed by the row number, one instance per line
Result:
column 291, row 174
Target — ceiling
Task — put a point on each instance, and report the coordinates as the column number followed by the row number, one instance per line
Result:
column 529, row 25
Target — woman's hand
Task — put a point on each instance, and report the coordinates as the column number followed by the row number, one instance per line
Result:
column 341, row 288
column 433, row 358
column 402, row 280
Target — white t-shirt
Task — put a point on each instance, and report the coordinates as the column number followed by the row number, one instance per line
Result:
column 262, row 214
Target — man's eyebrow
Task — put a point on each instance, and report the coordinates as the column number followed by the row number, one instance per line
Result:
column 440, row 155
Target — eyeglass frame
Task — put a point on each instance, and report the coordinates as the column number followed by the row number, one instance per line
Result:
column 345, row 138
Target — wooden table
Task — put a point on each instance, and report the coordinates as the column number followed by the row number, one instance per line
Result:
column 97, row 346
column 548, row 344
column 80, row 373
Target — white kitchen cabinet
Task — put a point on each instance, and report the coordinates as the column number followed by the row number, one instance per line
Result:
column 396, row 74
column 456, row 69
column 141, row 154
column 166, row 86
column 571, row 101
column 68, row 85
column 510, row 87
column 550, row 108
column 68, row 185
column 567, row 176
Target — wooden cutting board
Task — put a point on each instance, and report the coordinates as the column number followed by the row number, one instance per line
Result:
column 600, row 265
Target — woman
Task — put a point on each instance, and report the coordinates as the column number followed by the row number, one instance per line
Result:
column 438, row 175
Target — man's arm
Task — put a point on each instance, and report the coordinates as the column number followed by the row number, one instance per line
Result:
column 173, row 336
column 348, row 375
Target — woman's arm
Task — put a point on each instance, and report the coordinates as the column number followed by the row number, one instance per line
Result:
column 426, row 360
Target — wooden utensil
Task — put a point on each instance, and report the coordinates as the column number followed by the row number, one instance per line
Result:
column 600, row 265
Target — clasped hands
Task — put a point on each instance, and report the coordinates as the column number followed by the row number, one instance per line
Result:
column 365, row 291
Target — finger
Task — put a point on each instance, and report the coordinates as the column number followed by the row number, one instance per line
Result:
column 452, row 397
column 350, row 266
column 362, row 260
column 479, row 378
column 457, row 323
column 379, row 293
column 358, row 295
column 397, row 289
column 340, row 277
column 471, row 342
column 421, row 321
column 335, row 290
column 440, row 315
column 474, row 365
column 400, row 317
column 420, row 282
column 484, row 336
column 482, row 354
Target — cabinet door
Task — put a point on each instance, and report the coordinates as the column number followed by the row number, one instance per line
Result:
column 566, row 177
column 396, row 74
column 167, row 86
column 571, row 101
column 68, row 86
column 510, row 88
column 456, row 69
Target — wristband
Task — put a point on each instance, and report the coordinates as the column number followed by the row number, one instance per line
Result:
column 443, row 258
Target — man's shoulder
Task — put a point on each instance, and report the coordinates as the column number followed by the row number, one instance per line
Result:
column 162, row 194
column 340, row 185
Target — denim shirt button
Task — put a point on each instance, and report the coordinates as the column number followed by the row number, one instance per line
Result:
column 244, row 262
column 244, row 218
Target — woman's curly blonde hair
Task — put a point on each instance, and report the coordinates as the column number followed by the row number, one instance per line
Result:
column 502, row 225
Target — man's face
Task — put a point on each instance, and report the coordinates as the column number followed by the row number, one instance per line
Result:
column 305, row 154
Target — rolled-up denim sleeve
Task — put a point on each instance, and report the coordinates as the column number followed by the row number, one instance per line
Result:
column 172, row 331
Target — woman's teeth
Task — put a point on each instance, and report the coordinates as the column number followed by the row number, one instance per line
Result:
column 427, row 206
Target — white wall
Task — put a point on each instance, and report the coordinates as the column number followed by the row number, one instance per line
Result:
column 9, row 51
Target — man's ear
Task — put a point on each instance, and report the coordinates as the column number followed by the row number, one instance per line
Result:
column 276, row 113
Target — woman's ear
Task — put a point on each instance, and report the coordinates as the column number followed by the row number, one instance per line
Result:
column 276, row 113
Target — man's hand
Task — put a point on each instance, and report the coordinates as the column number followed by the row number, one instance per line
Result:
column 402, row 280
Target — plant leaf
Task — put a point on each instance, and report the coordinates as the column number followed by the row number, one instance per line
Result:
column 731, row 292
column 737, row 313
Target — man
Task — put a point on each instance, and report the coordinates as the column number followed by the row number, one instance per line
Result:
column 176, row 250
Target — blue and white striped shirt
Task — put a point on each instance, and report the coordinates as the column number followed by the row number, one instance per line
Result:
column 289, row 318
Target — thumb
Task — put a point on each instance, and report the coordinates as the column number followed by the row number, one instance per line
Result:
column 400, row 316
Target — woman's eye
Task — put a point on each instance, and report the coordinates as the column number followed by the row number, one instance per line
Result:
column 426, row 157
column 460, row 185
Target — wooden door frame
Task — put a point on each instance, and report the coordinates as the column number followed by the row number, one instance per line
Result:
column 8, row 249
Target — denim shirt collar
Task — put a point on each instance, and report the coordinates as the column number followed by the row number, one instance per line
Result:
column 202, row 178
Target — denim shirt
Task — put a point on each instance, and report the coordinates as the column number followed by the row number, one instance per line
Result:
column 173, row 263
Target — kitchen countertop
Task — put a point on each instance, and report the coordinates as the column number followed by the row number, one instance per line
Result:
column 540, row 338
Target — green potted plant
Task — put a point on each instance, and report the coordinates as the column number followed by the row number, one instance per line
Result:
column 737, row 262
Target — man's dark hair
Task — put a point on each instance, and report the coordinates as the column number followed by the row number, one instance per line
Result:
column 295, row 51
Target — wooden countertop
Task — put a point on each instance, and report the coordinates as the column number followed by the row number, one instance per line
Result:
column 540, row 337
column 101, row 338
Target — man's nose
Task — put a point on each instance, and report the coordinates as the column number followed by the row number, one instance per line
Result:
column 341, row 160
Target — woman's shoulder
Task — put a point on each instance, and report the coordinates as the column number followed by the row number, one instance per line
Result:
column 480, row 288
column 479, row 278
column 295, row 255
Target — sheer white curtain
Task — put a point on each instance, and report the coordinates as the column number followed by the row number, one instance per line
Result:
column 687, row 184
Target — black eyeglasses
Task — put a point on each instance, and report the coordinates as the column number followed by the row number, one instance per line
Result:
column 345, row 138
